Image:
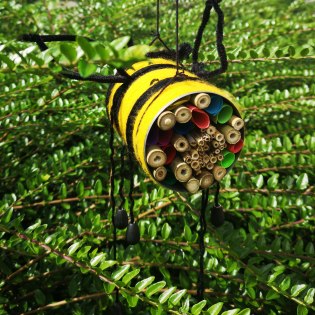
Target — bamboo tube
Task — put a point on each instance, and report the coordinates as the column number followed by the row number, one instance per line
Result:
column 206, row 158
column 198, row 137
column 203, row 130
column 206, row 137
column 160, row 173
column 182, row 114
column 215, row 144
column 220, row 157
column 202, row 164
column 218, row 172
column 195, row 165
column 206, row 147
column 210, row 166
column 213, row 159
column 206, row 179
column 180, row 143
column 194, row 154
column 236, row 122
column 191, row 140
column 197, row 172
column 155, row 156
column 192, row 185
column 217, row 151
column 166, row 120
column 231, row 135
column 221, row 147
column 222, row 142
column 201, row 100
column 211, row 130
column 218, row 136
column 186, row 157
column 181, row 170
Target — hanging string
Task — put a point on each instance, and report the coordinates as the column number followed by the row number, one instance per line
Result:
column 198, row 67
column 203, row 227
column 130, row 195
column 157, row 33
column 216, row 196
column 177, row 38
column 112, row 182
column 122, row 177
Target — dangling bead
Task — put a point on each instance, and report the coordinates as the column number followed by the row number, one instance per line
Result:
column 217, row 215
column 133, row 234
column 121, row 219
column 117, row 309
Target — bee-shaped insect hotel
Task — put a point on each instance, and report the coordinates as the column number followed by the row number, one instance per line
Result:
column 185, row 132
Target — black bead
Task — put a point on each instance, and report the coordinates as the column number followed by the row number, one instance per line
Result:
column 121, row 219
column 217, row 215
column 116, row 309
column 133, row 234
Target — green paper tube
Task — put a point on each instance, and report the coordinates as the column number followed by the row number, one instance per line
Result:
column 225, row 114
column 228, row 159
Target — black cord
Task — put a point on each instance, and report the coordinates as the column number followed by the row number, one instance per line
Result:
column 157, row 34
column 198, row 67
column 216, row 196
column 122, row 177
column 203, row 227
column 112, row 181
column 177, row 38
column 130, row 195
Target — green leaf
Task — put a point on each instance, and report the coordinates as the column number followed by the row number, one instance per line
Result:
column 302, row 181
column 285, row 284
column 246, row 311
column 141, row 285
column 166, row 294
column 86, row 69
column 272, row 295
column 86, row 46
column 63, row 191
column 98, row 187
column 166, row 231
column 7, row 216
column 130, row 275
column 107, row 264
column 231, row 312
column 259, row 181
column 309, row 297
column 187, row 233
column 273, row 181
column 97, row 259
column 176, row 297
column 40, row 297
column 69, row 52
column 297, row 289
column 120, row 43
column 215, row 308
column 7, row 61
column 197, row 308
column 120, row 272
column 301, row 310
column 154, row 288
column 73, row 248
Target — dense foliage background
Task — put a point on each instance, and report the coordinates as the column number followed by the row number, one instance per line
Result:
column 55, row 218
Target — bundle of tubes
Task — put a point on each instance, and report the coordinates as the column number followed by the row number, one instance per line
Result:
column 194, row 142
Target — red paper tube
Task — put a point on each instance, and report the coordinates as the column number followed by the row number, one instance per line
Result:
column 170, row 152
column 237, row 147
column 199, row 117
column 165, row 137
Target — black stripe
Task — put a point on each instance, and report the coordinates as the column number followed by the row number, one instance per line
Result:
column 144, row 98
column 108, row 93
column 121, row 91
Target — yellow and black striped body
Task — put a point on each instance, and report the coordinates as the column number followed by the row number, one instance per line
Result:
column 134, row 106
